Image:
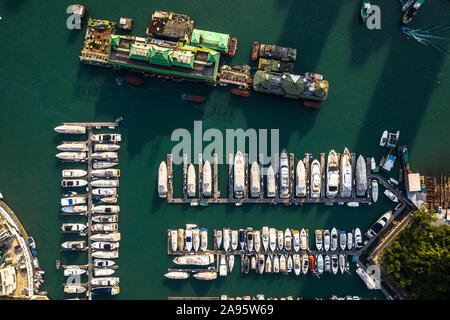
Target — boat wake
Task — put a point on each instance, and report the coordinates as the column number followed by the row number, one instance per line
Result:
column 436, row 37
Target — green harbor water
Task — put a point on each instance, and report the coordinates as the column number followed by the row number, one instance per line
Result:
column 378, row 80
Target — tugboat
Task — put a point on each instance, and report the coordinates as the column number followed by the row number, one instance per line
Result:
column 412, row 11
column 365, row 7
column 193, row 98
column 133, row 80
column 232, row 48
column 240, row 92
column 255, row 50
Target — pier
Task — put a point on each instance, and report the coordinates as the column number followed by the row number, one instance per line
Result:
column 292, row 199
column 90, row 126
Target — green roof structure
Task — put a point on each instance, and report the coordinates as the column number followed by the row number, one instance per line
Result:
column 212, row 40
column 114, row 40
column 161, row 56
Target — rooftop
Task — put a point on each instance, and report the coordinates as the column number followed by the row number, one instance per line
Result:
column 209, row 39
column 170, row 25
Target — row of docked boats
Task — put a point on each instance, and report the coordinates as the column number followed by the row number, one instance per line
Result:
column 100, row 205
column 309, row 180
column 338, row 239
column 192, row 238
column 266, row 239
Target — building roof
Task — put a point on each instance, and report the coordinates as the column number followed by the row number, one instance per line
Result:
column 169, row 24
column 413, row 182
column 213, row 40
column 8, row 280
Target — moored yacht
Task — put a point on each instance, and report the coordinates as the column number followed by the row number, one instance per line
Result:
column 268, row 264
column 334, row 239
column 205, row 275
column 346, row 174
column 105, row 147
column 284, row 175
column 204, row 239
column 361, row 177
column 73, row 183
column 260, row 266
column 287, row 240
column 283, row 267
column 303, row 240
column 191, row 181
column 223, row 269
column 101, row 263
column 195, row 259
column 108, row 209
column 326, row 240
column 297, row 264
column 290, row 264
column 106, row 173
column 72, row 201
column 73, row 146
column 239, row 175
column 188, row 240
column 342, row 263
column 300, row 188
column 296, row 240
column 349, row 241
column 105, row 156
column 177, row 275
column 72, row 156
column 74, row 209
column 241, row 236
column 319, row 238
column 315, row 179
column 219, row 239
column 226, row 239
column 73, row 227
column 280, row 239
column 327, row 263
column 105, row 183
column 249, row 239
column 107, row 138
column 334, row 263
column 276, row 264
column 103, row 164
column 69, row 129
column 358, row 239
column 105, row 192
column 196, row 239
column 270, row 183
column 332, row 174
column 74, row 173
column 180, row 239
column 73, row 245
column 374, row 190
column 342, row 240
column 320, row 265
column 255, row 180
column 265, row 238
column 207, row 178
column 173, row 240
column 257, row 240
column 105, row 218
column 304, row 263
column 272, row 239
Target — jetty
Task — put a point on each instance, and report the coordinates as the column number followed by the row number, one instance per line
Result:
column 90, row 127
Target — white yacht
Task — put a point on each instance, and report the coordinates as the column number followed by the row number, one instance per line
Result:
column 196, row 239
column 334, row 239
column 283, row 261
column 105, row 192
column 284, row 175
column 205, row 275
column 107, row 138
column 73, row 245
column 255, row 180
column 296, row 240
column 319, row 239
column 249, row 239
column 207, row 179
column 108, row 209
column 106, row 173
column 72, row 183
column 180, row 239
column 303, row 240
column 191, row 181
column 69, row 129
column 287, row 239
column 104, row 227
column 74, row 173
column 106, row 281
column 226, row 239
column 334, row 263
column 297, row 264
column 315, row 179
column 203, row 239
column 349, row 241
column 74, row 209
column 276, row 264
column 103, row 272
column 195, row 260
column 346, row 174
column 103, row 164
column 342, row 240
column 260, row 266
column 268, row 265
column 101, row 263
column 332, row 174
column 257, row 240
column 374, row 190
column 223, row 269
column 272, row 239
column 108, row 246
column 188, row 240
column 361, row 177
column 99, row 147
column 73, row 227
column 74, row 289
column 73, row 146
column 290, row 264
column 270, row 183
column 342, row 263
column 106, row 254
column 219, row 239
column 239, row 175
column 109, row 200
column 300, row 189
column 173, row 240
column 105, row 156
column 230, row 262
column 319, row 264
column 305, row 263
column 115, row 236
column 72, row 156
column 280, row 239
column 105, row 218
column 265, row 238
column 73, row 271
column 326, row 240
column 105, row 183
column 234, row 240
column 358, row 239
column 71, row 201
column 327, row 262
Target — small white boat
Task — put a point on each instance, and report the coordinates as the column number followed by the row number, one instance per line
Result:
column 72, row 183
column 176, row 275
column 105, row 183
column 284, row 175
column 73, row 146
column 332, row 174
column 384, row 138
column 265, row 238
column 353, row 204
column 106, row 281
column 106, row 254
column 108, row 246
column 287, row 239
column 74, row 289
column 72, row 201
column 105, row 156
column 230, row 262
column 296, row 240
column 257, row 240
column 104, row 227
column 342, row 263
column 71, row 129
column 234, row 240
column 361, row 177
column 334, row 264
column 106, row 147
column 73, row 227
column 188, row 240
column 358, row 239
column 319, row 264
column 373, row 164
column 283, row 267
column 390, row 195
column 342, row 240
column 203, row 239
column 261, row 262
column 239, row 175
column 368, row 280
column 162, row 180
column 223, row 269
column 350, row 241
column 73, row 272
column 207, row 179
column 107, row 138
column 219, row 239
column 270, row 183
column 110, row 200
column 105, row 192
column 327, row 262
column 276, row 264
column 226, row 239
column 173, row 240
column 196, row 239
column 303, row 240
column 255, row 180
column 326, row 240
column 300, row 189
column 250, row 240
column 280, row 239
column 74, row 209
column 252, row 262
column 334, row 239
column 103, row 272
column 73, row 245
column 180, row 239
column 101, row 263
column 241, row 237
column 374, row 190
column 375, row 229
column 191, row 181
column 297, row 264
column 319, row 238
column 72, row 156
column 346, row 174
column 206, row 275
column 115, row 236
column 272, row 239
column 74, row 173
column 290, row 264
column 106, row 173
column 108, row 209
column 316, row 179
column 103, row 164
column 268, row 265
column 305, row 263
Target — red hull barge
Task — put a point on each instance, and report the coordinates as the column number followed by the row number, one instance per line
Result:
column 233, row 47
column 241, row 93
column 255, row 50
column 133, row 80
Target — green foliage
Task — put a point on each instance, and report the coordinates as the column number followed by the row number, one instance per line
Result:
column 419, row 259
